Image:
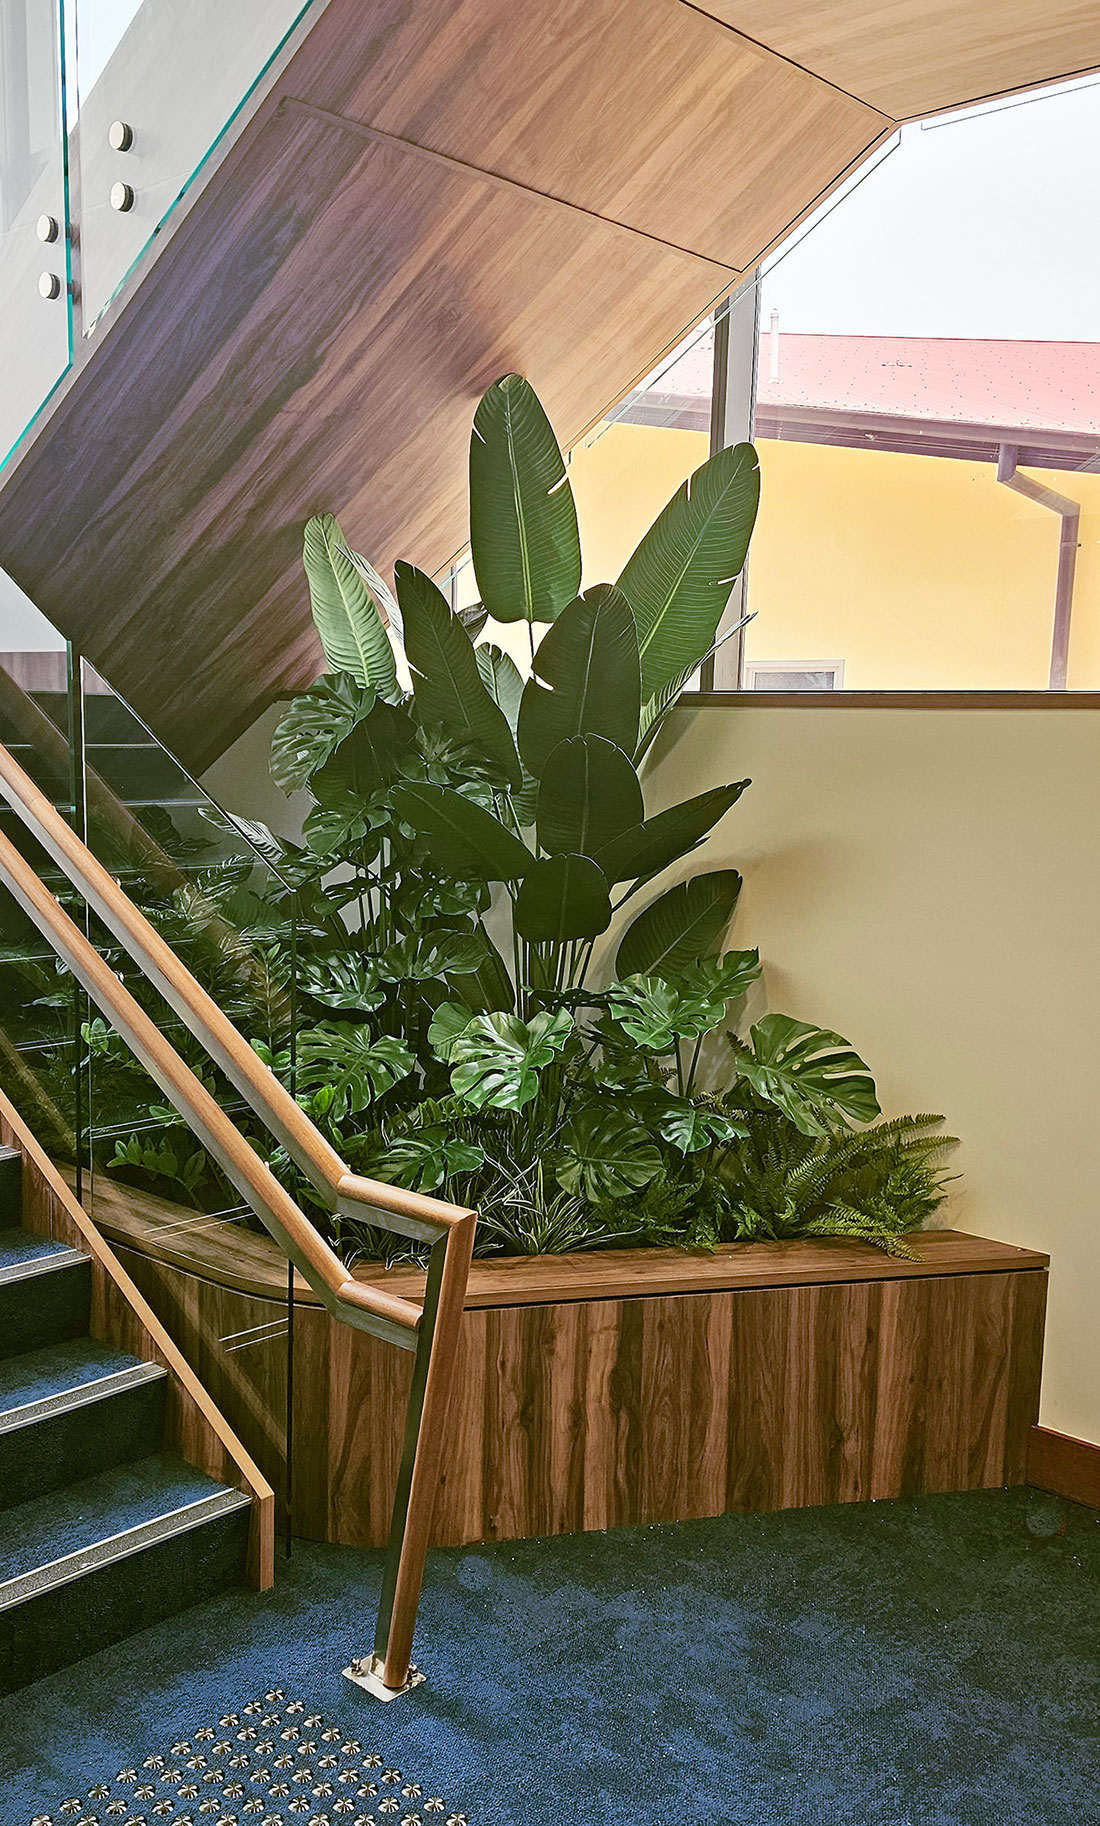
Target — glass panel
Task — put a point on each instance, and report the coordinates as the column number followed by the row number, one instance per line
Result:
column 928, row 416
column 35, row 313
column 172, row 78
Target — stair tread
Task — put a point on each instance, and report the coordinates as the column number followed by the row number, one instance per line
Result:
column 56, row 1369
column 17, row 1245
column 36, row 1533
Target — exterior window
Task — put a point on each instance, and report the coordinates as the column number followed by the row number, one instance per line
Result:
column 782, row 675
column 927, row 413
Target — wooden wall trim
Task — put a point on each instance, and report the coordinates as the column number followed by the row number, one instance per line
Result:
column 122, row 1316
column 890, row 700
column 1065, row 1466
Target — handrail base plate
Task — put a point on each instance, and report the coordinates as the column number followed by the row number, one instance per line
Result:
column 366, row 1672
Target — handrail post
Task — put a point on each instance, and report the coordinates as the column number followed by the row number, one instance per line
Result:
column 387, row 1671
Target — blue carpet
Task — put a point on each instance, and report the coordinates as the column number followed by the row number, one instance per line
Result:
column 51, row 1526
column 931, row 1662
column 59, row 1366
column 24, row 1246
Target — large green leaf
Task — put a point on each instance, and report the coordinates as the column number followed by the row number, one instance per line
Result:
column 313, row 724
column 348, row 619
column 589, row 795
column 448, row 687
column 502, row 679
column 358, row 767
column 679, row 579
column 650, row 847
column 563, row 897
column 487, row 986
column 656, row 1013
column 809, row 1073
column 496, row 1058
column 523, row 522
column 585, row 678
column 463, row 840
column 424, row 958
column 605, row 1154
column 679, row 927
column 344, row 1059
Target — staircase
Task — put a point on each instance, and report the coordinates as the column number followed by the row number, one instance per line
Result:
column 102, row 1530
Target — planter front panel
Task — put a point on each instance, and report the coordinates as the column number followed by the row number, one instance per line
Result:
column 592, row 1414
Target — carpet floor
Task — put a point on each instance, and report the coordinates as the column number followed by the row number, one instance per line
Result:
column 928, row 1662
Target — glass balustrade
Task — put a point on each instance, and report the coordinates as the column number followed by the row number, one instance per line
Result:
column 210, row 884
column 35, row 296
column 156, row 86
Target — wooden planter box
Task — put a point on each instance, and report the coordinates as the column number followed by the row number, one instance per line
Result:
column 636, row 1386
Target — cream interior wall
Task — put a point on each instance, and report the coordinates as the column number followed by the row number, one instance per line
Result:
column 927, row 882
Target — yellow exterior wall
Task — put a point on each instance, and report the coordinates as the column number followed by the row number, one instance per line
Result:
column 920, row 573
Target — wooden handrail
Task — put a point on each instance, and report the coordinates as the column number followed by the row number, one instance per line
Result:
column 432, row 1331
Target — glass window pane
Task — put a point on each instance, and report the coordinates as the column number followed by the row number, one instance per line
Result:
column 928, row 414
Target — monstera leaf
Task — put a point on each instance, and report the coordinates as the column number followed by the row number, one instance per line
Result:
column 447, row 683
column 345, row 611
column 679, row 579
column 342, row 981
column 589, row 795
column 809, row 1073
column 650, row 847
column 657, row 1014
column 685, row 1125
column 523, row 523
column 605, row 1154
column 463, row 839
column 429, row 956
column 679, row 927
column 496, row 1059
column 343, row 1059
column 585, row 678
column 561, row 898
column 424, row 1160
column 314, row 724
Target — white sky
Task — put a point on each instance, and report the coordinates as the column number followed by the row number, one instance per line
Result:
column 980, row 224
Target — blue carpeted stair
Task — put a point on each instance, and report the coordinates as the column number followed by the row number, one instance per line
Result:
column 102, row 1532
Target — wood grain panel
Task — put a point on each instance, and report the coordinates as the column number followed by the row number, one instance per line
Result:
column 1068, row 1467
column 597, row 1413
column 120, row 1316
column 560, row 192
column 909, row 57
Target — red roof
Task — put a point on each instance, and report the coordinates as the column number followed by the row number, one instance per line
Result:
column 1031, row 385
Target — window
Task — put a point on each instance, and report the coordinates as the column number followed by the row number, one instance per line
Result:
column 927, row 412
column 785, row 675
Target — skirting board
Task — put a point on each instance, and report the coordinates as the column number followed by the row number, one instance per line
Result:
column 1066, row 1467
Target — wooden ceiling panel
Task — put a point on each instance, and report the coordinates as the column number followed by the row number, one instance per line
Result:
column 910, row 57
column 431, row 193
column 644, row 111
column 333, row 359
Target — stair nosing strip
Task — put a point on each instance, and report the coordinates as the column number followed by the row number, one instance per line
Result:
column 81, row 1394
column 64, row 1257
column 115, row 1547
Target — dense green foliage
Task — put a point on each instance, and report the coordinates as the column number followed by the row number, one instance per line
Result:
column 472, row 1018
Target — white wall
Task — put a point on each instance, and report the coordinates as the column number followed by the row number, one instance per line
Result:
column 927, row 882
